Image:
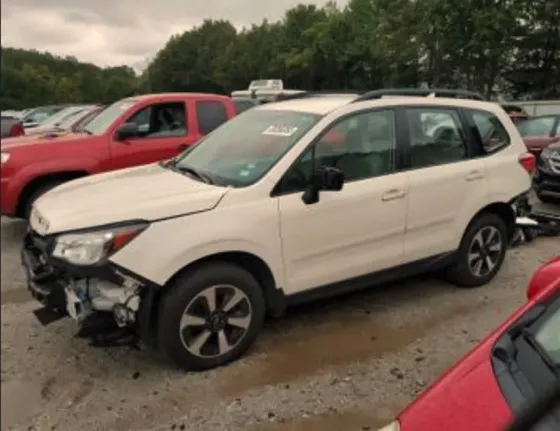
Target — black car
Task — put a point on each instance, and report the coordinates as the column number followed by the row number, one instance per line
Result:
column 546, row 180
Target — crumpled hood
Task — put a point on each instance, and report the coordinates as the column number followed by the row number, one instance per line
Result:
column 143, row 193
column 41, row 139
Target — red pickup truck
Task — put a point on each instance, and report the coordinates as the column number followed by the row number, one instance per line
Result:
column 133, row 131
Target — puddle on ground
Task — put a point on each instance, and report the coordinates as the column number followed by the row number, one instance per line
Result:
column 306, row 351
column 15, row 296
column 332, row 421
column 20, row 401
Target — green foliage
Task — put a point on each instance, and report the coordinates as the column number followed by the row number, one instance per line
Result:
column 31, row 78
column 508, row 47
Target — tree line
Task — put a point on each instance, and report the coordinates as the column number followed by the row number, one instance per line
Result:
column 505, row 47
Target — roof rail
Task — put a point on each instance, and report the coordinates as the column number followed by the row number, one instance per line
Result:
column 321, row 93
column 420, row 92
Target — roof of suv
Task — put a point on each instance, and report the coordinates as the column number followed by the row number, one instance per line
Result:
column 325, row 104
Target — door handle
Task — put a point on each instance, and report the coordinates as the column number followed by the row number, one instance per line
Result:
column 474, row 175
column 391, row 195
column 183, row 147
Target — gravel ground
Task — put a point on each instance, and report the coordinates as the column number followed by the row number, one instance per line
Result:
column 345, row 364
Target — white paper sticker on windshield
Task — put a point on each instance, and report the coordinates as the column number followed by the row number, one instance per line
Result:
column 280, row 130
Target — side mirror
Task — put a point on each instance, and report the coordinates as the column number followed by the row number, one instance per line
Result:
column 328, row 178
column 324, row 178
column 126, row 131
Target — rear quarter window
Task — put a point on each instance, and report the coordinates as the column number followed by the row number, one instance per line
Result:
column 210, row 114
column 489, row 131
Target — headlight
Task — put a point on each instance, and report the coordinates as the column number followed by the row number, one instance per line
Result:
column 5, row 157
column 90, row 248
column 393, row 426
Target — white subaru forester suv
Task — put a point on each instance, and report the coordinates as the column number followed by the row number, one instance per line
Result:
column 285, row 203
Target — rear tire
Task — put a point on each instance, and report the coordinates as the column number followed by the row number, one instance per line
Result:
column 481, row 253
column 210, row 316
column 37, row 193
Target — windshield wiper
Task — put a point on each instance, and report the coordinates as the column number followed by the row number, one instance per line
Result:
column 194, row 173
column 543, row 353
column 172, row 165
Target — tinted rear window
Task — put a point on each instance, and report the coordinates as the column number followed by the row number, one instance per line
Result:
column 210, row 115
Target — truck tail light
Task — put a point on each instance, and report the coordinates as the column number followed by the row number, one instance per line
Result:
column 17, row 130
column 528, row 161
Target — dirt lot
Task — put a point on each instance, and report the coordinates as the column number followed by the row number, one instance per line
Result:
column 348, row 363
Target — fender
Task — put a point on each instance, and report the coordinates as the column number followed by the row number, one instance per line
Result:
column 475, row 207
column 225, row 246
column 26, row 174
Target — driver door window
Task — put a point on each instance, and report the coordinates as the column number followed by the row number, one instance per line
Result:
column 362, row 146
column 161, row 120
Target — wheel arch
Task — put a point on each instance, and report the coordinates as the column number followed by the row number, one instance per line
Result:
column 502, row 210
column 273, row 295
column 33, row 185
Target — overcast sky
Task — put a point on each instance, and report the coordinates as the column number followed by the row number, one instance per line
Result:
column 112, row 32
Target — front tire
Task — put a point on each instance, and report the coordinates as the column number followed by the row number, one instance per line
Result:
column 481, row 253
column 210, row 316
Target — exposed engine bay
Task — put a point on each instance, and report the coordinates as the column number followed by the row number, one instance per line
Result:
column 105, row 308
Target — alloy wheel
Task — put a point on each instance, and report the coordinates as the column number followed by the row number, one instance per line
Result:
column 484, row 251
column 215, row 321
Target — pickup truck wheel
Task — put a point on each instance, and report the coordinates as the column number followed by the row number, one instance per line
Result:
column 210, row 316
column 481, row 252
column 37, row 193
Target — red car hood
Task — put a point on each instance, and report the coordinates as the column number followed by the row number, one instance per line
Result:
column 24, row 141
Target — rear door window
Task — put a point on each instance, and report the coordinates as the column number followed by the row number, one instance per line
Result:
column 436, row 137
column 210, row 115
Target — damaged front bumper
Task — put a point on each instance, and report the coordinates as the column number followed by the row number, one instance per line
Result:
column 86, row 293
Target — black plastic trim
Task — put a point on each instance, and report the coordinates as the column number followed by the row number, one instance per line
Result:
column 428, row 264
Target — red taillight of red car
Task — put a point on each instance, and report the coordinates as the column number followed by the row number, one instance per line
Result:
column 528, row 161
column 17, row 130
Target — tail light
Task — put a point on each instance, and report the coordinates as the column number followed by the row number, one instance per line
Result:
column 17, row 130
column 528, row 161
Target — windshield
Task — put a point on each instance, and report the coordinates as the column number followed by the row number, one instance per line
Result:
column 40, row 114
column 548, row 335
column 101, row 122
column 69, row 119
column 241, row 151
column 57, row 118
